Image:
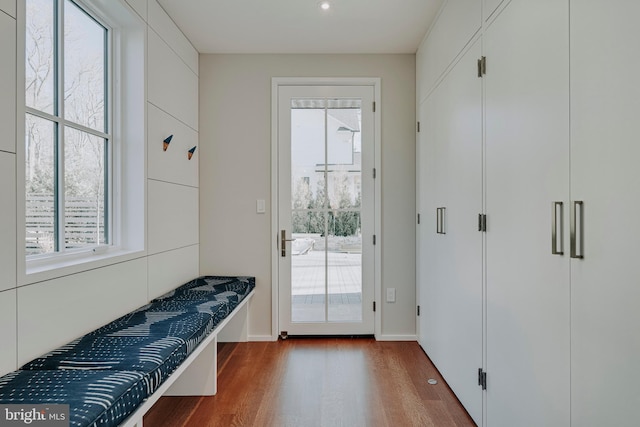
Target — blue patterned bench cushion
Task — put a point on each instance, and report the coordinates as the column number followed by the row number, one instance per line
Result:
column 231, row 290
column 155, row 321
column 157, row 357
column 95, row 398
column 216, row 310
column 208, row 280
column 152, row 342
column 104, row 375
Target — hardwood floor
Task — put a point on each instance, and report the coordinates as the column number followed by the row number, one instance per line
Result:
column 318, row 382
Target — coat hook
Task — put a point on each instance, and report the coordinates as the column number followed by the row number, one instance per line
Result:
column 166, row 142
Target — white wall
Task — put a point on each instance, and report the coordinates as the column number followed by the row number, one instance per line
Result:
column 8, row 321
column 37, row 317
column 172, row 189
column 235, row 135
column 8, row 7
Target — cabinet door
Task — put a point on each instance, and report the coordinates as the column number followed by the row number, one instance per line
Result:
column 527, row 160
column 605, row 285
column 489, row 7
column 452, row 321
column 426, row 251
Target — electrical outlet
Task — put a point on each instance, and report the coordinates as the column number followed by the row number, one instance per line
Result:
column 391, row 294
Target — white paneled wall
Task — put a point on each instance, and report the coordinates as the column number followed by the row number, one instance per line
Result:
column 55, row 312
column 8, row 327
column 172, row 85
column 8, row 6
column 172, row 165
column 8, row 354
column 163, row 274
column 35, row 318
column 8, row 223
column 167, row 30
column 140, row 6
column 172, row 187
column 7, row 81
column 172, row 216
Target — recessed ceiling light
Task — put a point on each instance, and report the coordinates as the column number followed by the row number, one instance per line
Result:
column 325, row 5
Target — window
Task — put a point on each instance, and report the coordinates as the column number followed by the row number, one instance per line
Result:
column 82, row 174
column 68, row 134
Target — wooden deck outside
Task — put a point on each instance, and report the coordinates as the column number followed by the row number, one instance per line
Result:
column 344, row 286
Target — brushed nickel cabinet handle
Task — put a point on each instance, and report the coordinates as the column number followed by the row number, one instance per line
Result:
column 577, row 230
column 440, row 220
column 556, row 228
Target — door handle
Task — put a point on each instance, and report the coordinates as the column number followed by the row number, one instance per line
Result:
column 577, row 230
column 556, row 228
column 283, row 242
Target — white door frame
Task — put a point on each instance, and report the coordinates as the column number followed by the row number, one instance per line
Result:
column 276, row 82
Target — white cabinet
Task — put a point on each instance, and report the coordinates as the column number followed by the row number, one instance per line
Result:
column 605, row 284
column 451, row 244
column 426, row 248
column 561, row 107
column 489, row 7
column 527, row 160
column 457, row 23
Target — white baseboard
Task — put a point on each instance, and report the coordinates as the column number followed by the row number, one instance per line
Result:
column 262, row 338
column 385, row 337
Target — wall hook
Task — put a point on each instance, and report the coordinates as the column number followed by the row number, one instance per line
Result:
column 190, row 154
column 166, row 142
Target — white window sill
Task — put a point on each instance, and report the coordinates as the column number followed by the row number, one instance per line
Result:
column 39, row 270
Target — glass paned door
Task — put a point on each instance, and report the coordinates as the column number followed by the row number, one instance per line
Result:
column 325, row 270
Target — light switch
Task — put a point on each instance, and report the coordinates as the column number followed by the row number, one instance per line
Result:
column 260, row 206
column 391, row 294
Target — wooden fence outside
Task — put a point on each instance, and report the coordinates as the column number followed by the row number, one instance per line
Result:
column 84, row 223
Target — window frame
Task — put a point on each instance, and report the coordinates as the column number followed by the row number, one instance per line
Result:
column 61, row 123
column 127, row 111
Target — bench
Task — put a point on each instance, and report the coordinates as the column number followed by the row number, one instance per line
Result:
column 114, row 374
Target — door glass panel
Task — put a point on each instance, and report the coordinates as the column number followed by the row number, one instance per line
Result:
column 326, row 263
column 308, row 275
column 345, row 269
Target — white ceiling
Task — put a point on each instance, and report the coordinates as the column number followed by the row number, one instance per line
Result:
column 300, row 26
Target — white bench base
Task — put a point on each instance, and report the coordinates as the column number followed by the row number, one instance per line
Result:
column 197, row 374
